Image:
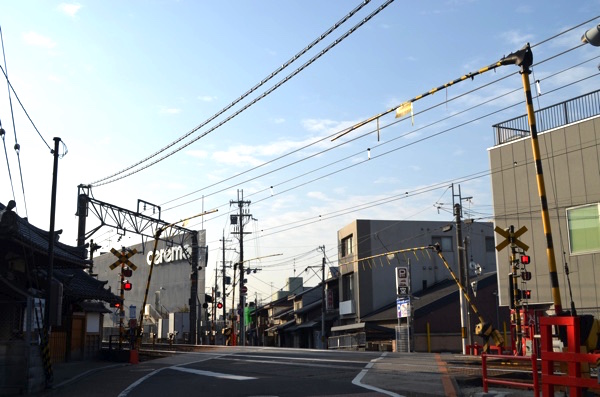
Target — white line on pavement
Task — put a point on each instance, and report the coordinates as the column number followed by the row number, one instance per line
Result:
column 357, row 380
column 210, row 373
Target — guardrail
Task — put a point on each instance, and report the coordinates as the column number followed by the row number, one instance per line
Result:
column 572, row 359
column 535, row 385
column 560, row 114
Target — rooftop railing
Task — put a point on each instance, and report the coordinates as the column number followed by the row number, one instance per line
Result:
column 558, row 115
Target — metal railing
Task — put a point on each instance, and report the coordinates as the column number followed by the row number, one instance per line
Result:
column 350, row 341
column 560, row 114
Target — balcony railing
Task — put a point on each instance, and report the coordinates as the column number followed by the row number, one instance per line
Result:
column 571, row 111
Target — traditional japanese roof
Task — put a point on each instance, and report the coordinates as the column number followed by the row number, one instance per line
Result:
column 18, row 231
column 24, row 242
column 79, row 285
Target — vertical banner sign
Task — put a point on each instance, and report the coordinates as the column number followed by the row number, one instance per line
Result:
column 402, row 285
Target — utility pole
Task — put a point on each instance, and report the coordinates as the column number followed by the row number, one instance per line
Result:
column 214, row 308
column 194, row 317
column 243, row 289
column 224, row 281
column 323, row 299
column 462, row 271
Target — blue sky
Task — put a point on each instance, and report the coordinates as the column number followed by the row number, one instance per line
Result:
column 118, row 81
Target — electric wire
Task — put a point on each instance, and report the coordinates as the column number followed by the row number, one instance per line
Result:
column 107, row 180
column 2, row 131
column 486, row 85
column 540, row 62
column 565, row 31
column 361, row 136
column 422, row 139
column 250, row 91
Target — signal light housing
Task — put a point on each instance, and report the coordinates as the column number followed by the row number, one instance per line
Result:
column 525, row 259
column 127, row 285
column 127, row 272
column 525, row 294
column 219, row 305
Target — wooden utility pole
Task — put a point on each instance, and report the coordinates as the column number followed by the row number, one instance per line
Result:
column 240, row 220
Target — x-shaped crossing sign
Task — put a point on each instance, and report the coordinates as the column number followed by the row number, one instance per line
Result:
column 511, row 238
column 123, row 258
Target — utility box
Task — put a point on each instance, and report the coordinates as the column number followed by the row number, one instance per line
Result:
column 179, row 324
column 162, row 331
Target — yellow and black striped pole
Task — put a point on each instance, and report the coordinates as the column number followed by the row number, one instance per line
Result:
column 524, row 59
column 432, row 91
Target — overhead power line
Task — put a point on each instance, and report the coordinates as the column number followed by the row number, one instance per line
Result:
column 113, row 177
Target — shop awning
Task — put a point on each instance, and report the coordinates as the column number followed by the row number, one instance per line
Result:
column 348, row 327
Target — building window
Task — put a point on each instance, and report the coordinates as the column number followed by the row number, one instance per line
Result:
column 347, row 246
column 445, row 242
column 348, row 287
column 584, row 229
column 490, row 244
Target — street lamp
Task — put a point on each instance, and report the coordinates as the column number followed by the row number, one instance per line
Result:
column 592, row 36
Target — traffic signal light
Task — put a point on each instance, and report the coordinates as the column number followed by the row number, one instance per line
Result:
column 525, row 259
column 525, row 293
column 525, row 276
column 127, row 285
column 219, row 305
column 116, row 304
column 127, row 272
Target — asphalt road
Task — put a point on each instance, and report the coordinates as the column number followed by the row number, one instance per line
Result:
column 252, row 371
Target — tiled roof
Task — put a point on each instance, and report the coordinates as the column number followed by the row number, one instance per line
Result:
column 78, row 286
column 18, row 230
column 68, row 264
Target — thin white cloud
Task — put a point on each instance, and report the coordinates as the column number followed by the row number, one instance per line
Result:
column 170, row 110
column 201, row 154
column 279, row 120
column 318, row 196
column 516, row 38
column 386, row 180
column 207, row 98
column 236, row 157
column 69, row 9
column 524, row 9
column 36, row 39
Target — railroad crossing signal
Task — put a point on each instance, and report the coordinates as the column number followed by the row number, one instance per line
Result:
column 123, row 258
column 511, row 238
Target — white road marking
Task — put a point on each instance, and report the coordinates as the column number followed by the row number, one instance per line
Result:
column 210, row 373
column 358, row 378
column 132, row 386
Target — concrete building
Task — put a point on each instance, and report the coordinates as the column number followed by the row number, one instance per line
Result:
column 168, row 289
column 568, row 138
column 367, row 288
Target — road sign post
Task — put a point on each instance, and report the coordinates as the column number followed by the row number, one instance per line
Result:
column 403, row 300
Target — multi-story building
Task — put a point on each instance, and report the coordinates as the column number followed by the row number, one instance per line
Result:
column 164, row 296
column 367, row 287
column 569, row 133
